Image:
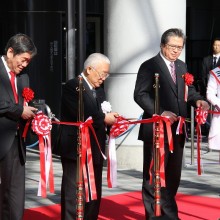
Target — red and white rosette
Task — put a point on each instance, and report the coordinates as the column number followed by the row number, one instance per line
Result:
column 200, row 117
column 118, row 128
column 188, row 78
column 42, row 126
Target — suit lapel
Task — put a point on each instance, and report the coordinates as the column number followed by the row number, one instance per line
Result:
column 218, row 63
column 180, row 79
column 88, row 92
column 19, row 88
column 164, row 69
column 210, row 62
column 6, row 81
column 179, row 75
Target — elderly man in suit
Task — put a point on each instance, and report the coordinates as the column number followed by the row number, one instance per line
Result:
column 172, row 105
column 13, row 114
column 96, row 70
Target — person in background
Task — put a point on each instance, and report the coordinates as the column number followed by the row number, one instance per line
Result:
column 96, row 70
column 213, row 96
column 19, row 51
column 172, row 105
column 210, row 62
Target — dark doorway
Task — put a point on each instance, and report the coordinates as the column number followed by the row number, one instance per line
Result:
column 202, row 25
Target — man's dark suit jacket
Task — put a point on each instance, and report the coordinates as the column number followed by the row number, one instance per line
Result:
column 10, row 113
column 66, row 145
column 171, row 96
column 207, row 65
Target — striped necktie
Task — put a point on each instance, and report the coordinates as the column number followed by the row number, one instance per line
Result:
column 173, row 72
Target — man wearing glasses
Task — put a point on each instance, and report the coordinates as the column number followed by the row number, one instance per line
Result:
column 96, row 70
column 172, row 105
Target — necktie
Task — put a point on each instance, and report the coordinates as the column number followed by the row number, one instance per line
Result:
column 214, row 62
column 13, row 86
column 172, row 72
column 94, row 93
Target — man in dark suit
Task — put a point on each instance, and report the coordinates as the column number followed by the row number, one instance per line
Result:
column 172, row 105
column 13, row 113
column 210, row 62
column 96, row 70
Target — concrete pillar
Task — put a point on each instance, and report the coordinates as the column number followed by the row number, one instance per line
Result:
column 133, row 29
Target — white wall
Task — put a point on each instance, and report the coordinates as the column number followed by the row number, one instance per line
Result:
column 133, row 29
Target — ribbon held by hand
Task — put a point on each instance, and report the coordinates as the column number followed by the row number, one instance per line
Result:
column 42, row 126
column 118, row 128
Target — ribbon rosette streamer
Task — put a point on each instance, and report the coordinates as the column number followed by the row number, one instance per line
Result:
column 86, row 159
column 28, row 95
column 188, row 78
column 200, row 117
column 42, row 126
column 118, row 128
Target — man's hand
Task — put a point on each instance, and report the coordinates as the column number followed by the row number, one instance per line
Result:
column 110, row 118
column 203, row 104
column 172, row 116
column 28, row 112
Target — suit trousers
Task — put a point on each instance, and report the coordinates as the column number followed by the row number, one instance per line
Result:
column 173, row 166
column 68, row 191
column 12, row 188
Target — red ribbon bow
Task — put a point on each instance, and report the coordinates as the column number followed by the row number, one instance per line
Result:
column 188, row 78
column 121, row 125
column 28, row 94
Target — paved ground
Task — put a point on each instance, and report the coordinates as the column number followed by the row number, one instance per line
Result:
column 130, row 180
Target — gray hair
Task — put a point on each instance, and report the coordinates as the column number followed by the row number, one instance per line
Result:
column 94, row 59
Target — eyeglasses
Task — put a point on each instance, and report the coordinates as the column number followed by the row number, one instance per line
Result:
column 102, row 75
column 174, row 47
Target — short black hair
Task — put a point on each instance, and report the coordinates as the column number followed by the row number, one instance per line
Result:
column 171, row 33
column 215, row 39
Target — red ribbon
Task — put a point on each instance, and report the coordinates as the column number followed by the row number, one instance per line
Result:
column 182, row 122
column 189, row 79
column 121, row 125
column 88, row 171
column 200, row 117
column 41, row 125
column 118, row 128
column 162, row 119
column 154, row 119
column 86, row 152
column 28, row 95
